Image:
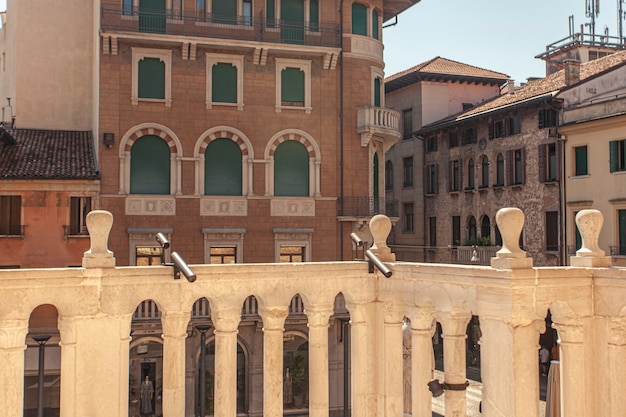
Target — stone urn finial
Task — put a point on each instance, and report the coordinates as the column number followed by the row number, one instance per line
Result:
column 510, row 222
column 99, row 224
column 380, row 227
column 589, row 222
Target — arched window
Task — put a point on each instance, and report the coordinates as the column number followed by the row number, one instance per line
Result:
column 359, row 19
column 150, row 166
column 484, row 171
column 471, row 228
column 500, row 170
column 388, row 175
column 470, row 174
column 485, row 227
column 222, row 168
column 291, row 170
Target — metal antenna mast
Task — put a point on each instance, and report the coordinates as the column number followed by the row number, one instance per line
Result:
column 592, row 10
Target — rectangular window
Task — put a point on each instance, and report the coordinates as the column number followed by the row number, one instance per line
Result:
column 617, row 155
column 454, row 176
column 432, row 231
column 293, row 84
column 375, row 24
column 377, row 86
column 516, row 168
column 456, row 230
column 224, row 83
column 79, row 207
column 151, row 77
column 359, row 19
column 552, row 231
column 10, row 215
column 314, row 16
column 151, row 73
column 407, row 164
column 548, row 162
column 621, row 214
column 580, row 158
column 408, row 217
column 453, row 140
column 407, row 123
column 468, row 136
column 547, row 118
column 270, row 14
column 247, row 12
column 224, row 11
column 148, row 255
column 127, row 7
column 292, row 80
column 201, row 9
column 223, row 255
column 430, row 178
column 431, row 144
column 291, row 254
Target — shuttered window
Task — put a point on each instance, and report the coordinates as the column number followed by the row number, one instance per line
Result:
column 292, row 87
column 359, row 19
column 617, row 155
column 224, row 11
column 552, row 231
column 375, row 34
column 224, row 83
column 10, row 215
column 150, row 166
column 222, row 168
column 151, row 78
column 580, row 160
column 291, row 170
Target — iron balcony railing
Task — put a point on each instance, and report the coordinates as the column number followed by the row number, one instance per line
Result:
column 366, row 207
column 172, row 22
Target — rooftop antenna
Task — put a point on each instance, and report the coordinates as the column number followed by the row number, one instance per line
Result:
column 620, row 20
column 592, row 10
column 571, row 24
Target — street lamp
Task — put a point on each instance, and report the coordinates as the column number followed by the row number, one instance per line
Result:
column 202, row 328
column 41, row 340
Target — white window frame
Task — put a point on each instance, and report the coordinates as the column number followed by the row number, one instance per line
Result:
column 293, row 237
column 234, row 60
column 222, row 238
column 165, row 56
column 145, row 238
column 302, row 65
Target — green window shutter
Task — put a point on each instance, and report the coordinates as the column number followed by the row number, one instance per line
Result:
column 581, row 160
column 622, row 232
column 224, row 83
column 292, row 85
column 614, row 149
column 359, row 19
column 270, row 15
column 222, row 168
column 374, row 24
column 152, row 16
column 375, row 181
column 314, row 15
column 292, row 21
column 150, row 166
column 224, row 11
column 377, row 92
column 291, row 170
column 151, row 78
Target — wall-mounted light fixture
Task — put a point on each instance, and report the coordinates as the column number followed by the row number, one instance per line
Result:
column 108, row 140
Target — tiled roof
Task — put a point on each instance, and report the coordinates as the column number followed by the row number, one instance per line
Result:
column 446, row 69
column 536, row 90
column 47, row 154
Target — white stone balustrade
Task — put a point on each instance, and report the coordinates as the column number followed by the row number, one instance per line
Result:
column 96, row 303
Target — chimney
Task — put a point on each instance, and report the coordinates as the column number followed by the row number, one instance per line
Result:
column 572, row 71
column 510, row 84
column 7, row 113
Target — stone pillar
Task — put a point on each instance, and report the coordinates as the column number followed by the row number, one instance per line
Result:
column 226, row 322
column 318, row 316
column 174, row 335
column 572, row 358
column 392, row 365
column 617, row 366
column 589, row 224
column 359, row 375
column 67, row 333
column 273, row 329
column 510, row 221
column 510, row 367
column 12, row 346
column 422, row 362
column 454, row 325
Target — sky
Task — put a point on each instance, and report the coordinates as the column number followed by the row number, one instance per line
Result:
column 501, row 36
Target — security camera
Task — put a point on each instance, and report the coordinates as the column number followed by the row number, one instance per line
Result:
column 160, row 237
column 373, row 259
column 356, row 239
column 181, row 266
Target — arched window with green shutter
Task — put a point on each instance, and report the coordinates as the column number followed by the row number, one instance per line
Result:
column 359, row 19
column 224, row 83
column 222, row 168
column 150, row 166
column 291, row 170
column 151, row 78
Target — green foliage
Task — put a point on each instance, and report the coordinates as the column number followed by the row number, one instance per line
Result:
column 478, row 241
column 298, row 374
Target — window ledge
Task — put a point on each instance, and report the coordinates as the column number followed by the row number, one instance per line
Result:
column 498, row 186
column 454, row 192
column 166, row 101
column 211, row 104
column 550, row 182
column 13, row 236
column 470, row 189
column 580, row 176
column 517, row 186
column 431, row 194
column 301, row 108
column 483, row 189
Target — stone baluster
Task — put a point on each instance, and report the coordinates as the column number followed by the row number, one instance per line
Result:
column 174, row 335
column 589, row 224
column 273, row 329
column 380, row 227
column 572, row 363
column 510, row 222
column 454, row 326
column 392, row 365
column 226, row 322
column 318, row 316
column 422, row 362
column 510, row 367
column 12, row 346
column 617, row 366
column 99, row 224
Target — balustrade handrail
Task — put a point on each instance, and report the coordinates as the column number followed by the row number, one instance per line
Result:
column 379, row 117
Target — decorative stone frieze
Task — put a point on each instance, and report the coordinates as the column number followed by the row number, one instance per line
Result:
column 153, row 206
column 223, row 206
column 292, row 207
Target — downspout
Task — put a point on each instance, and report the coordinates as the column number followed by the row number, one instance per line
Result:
column 341, row 189
column 561, row 182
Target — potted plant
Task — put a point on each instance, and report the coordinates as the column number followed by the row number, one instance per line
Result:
column 299, row 380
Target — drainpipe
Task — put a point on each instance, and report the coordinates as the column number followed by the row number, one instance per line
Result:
column 341, row 196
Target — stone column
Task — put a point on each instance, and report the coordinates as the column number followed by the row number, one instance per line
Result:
column 572, row 358
column 226, row 322
column 318, row 316
column 174, row 335
column 510, row 367
column 617, row 366
column 454, row 325
column 392, row 365
column 273, row 329
column 422, row 362
column 67, row 333
column 12, row 346
column 359, row 375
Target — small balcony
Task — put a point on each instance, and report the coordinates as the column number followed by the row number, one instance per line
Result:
column 379, row 122
column 135, row 20
column 364, row 207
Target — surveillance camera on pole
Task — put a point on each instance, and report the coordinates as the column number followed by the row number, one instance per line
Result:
column 179, row 264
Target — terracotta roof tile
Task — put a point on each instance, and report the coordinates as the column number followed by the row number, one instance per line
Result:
column 47, row 154
column 444, row 66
